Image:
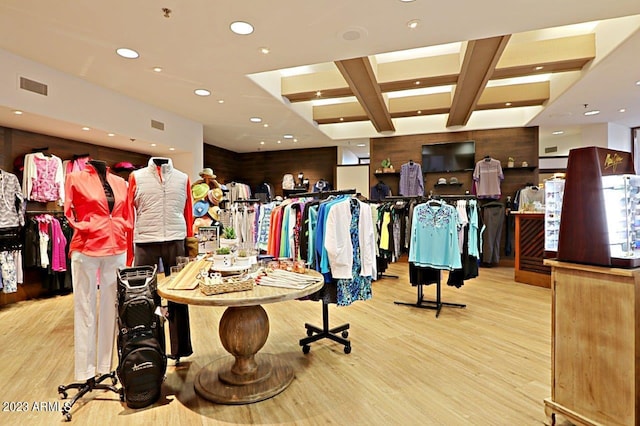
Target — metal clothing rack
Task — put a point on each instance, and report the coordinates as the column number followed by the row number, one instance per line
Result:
column 438, row 303
column 248, row 200
column 316, row 333
column 326, row 194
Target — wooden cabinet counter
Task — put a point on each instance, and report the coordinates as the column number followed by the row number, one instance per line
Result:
column 595, row 359
column 529, row 244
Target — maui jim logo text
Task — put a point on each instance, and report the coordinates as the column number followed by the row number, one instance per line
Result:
column 612, row 161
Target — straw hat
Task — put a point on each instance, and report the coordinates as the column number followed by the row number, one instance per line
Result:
column 214, row 196
column 199, row 191
column 207, row 172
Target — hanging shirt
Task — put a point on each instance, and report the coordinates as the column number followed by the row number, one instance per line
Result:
column 411, row 180
column 434, row 236
column 488, row 175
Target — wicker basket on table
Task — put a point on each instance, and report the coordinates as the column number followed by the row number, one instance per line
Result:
column 226, row 285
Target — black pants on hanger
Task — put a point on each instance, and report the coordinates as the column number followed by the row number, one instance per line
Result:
column 179, row 328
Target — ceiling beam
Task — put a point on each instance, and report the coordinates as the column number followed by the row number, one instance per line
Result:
column 359, row 75
column 480, row 60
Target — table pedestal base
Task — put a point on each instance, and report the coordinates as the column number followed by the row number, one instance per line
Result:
column 272, row 376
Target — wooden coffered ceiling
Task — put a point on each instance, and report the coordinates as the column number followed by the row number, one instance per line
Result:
column 476, row 78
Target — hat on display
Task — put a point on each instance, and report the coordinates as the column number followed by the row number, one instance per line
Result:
column 124, row 165
column 442, row 181
column 207, row 172
column 453, row 180
column 215, row 196
column 201, row 221
column 214, row 212
column 200, row 208
column 199, row 191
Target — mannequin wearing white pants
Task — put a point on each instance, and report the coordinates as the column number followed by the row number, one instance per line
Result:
column 98, row 209
column 93, row 322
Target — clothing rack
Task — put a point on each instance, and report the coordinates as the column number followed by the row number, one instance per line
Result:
column 248, row 200
column 438, row 303
column 326, row 194
column 316, row 333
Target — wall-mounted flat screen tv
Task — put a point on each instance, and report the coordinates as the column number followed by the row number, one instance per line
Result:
column 449, row 157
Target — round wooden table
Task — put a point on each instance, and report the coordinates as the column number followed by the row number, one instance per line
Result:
column 244, row 327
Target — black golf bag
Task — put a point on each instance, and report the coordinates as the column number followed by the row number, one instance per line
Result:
column 142, row 360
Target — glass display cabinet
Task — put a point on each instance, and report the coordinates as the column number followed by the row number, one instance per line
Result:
column 553, row 194
column 622, row 205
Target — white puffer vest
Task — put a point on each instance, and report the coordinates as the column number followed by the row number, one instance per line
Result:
column 159, row 204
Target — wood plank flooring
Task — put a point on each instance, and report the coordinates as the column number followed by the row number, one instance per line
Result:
column 487, row 364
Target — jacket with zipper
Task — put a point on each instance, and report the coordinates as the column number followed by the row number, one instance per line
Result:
column 97, row 231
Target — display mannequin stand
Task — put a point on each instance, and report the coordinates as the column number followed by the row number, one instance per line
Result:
column 431, row 304
column 86, row 387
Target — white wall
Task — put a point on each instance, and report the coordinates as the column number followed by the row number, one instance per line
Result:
column 74, row 100
column 619, row 137
column 349, row 177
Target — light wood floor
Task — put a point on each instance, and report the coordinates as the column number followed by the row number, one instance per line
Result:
column 488, row 364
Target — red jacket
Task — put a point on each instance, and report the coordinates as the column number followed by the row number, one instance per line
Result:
column 97, row 232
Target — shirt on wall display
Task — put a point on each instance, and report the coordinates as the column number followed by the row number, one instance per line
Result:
column 487, row 176
column 411, row 180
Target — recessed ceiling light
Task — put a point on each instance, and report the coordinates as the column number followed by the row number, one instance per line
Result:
column 202, row 92
column 592, row 112
column 638, row 83
column 295, row 139
column 265, row 125
column 111, row 134
column 86, row 129
column 419, row 112
column 287, row 136
column 127, row 53
column 153, row 144
column 361, row 144
column 279, row 141
column 622, row 110
column 341, row 118
column 18, row 112
column 318, row 93
column 264, row 50
column 407, row 1
column 538, row 68
column 255, row 120
column 220, row 101
column 417, row 83
column 242, row 28
column 557, row 132
column 261, row 142
column 157, row 69
column 172, row 149
column 413, row 24
column 508, row 103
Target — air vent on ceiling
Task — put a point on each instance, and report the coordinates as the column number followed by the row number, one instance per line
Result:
column 550, row 149
column 157, row 124
column 33, row 86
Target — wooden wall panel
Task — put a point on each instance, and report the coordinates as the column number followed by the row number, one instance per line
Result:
column 257, row 167
column 520, row 143
column 24, row 142
column 223, row 162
